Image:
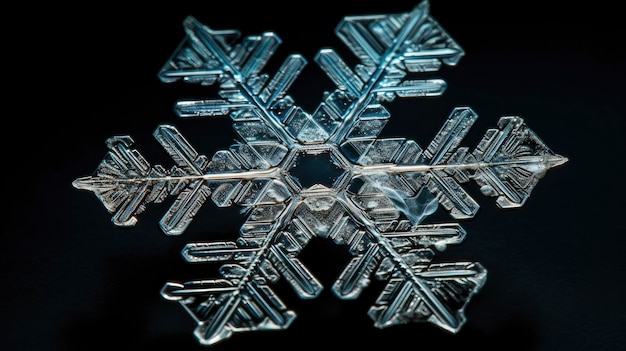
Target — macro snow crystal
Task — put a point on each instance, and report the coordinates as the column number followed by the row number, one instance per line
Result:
column 376, row 193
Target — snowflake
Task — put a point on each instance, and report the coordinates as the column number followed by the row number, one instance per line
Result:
column 373, row 194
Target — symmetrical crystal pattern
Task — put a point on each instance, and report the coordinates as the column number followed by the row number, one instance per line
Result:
column 371, row 195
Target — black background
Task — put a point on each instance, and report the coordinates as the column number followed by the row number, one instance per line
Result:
column 71, row 280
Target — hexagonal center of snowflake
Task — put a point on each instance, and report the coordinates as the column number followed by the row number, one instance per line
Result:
column 316, row 167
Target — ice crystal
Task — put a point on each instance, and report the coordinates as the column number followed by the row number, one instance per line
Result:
column 372, row 195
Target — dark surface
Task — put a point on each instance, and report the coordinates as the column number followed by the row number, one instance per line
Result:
column 73, row 281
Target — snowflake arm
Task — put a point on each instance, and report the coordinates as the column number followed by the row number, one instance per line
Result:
column 125, row 182
column 507, row 163
column 206, row 57
column 390, row 47
column 242, row 300
column 416, row 289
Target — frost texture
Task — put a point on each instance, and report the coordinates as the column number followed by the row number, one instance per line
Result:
column 375, row 197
